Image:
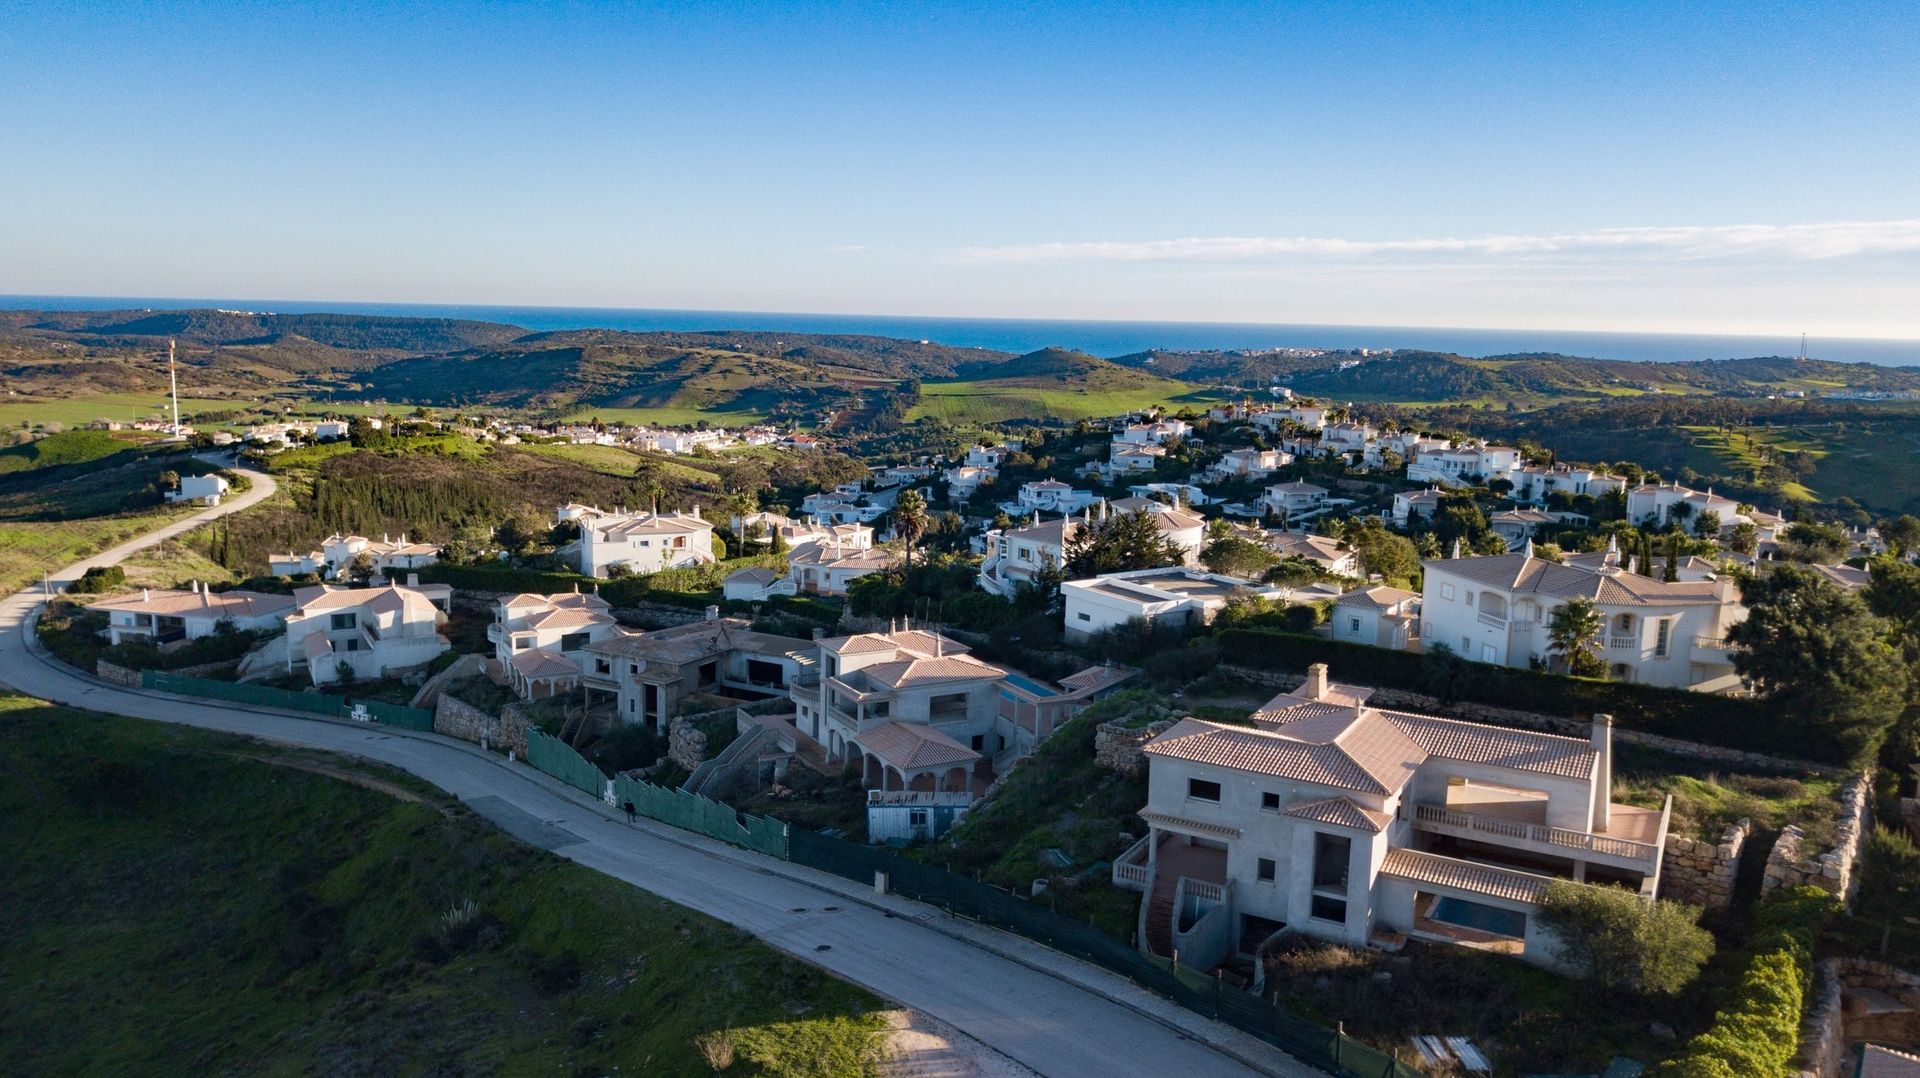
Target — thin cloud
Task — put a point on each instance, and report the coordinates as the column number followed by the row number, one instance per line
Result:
column 1814, row 242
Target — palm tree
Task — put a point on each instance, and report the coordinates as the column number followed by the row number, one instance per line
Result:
column 910, row 520
column 1574, row 628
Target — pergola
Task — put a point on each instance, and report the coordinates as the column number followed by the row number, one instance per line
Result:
column 911, row 756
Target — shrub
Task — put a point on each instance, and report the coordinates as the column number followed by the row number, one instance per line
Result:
column 100, row 578
column 1757, row 1033
column 1612, row 936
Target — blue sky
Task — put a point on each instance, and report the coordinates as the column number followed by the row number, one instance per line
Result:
column 1729, row 168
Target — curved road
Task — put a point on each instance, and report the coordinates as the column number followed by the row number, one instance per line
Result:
column 1048, row 1012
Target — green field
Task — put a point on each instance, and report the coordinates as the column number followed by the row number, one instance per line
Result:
column 1001, row 401
column 124, row 407
column 182, row 902
column 47, row 525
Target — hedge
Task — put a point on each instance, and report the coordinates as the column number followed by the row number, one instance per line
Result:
column 1757, row 1033
column 1727, row 721
column 501, row 578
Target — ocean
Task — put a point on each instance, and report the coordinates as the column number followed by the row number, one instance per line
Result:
column 1097, row 338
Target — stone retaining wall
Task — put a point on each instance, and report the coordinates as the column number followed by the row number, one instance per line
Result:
column 1118, row 748
column 1829, row 1029
column 1702, row 872
column 1402, row 699
column 686, row 744
column 119, row 675
column 1791, row 863
column 457, row 718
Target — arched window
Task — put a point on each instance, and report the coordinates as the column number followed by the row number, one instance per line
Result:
column 1493, row 605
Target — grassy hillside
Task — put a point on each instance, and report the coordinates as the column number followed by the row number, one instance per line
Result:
column 1049, row 384
column 67, row 447
column 183, row 902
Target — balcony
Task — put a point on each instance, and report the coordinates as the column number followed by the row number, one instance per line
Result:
column 1503, row 830
column 1627, row 643
column 1493, row 620
column 1131, row 870
column 1708, row 647
column 494, row 632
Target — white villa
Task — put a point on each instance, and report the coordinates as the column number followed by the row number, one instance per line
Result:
column 1177, row 597
column 1293, row 499
column 1408, row 504
column 1327, row 554
column 827, row 568
column 162, row 616
column 1496, row 610
column 964, row 479
column 1461, row 466
column 198, row 490
column 1014, row 556
column 1353, row 824
column 1127, row 458
column 1185, row 528
column 1533, row 482
column 1048, row 496
column 1380, row 617
column 337, row 554
column 537, row 639
column 1656, row 502
column 1249, row 463
column 644, row 542
column 371, row 631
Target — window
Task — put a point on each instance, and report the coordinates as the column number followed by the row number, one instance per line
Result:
column 344, row 621
column 1264, row 870
column 979, row 742
column 1662, row 636
column 1470, row 598
column 1326, row 908
column 1331, row 855
column 353, row 643
column 1446, row 591
column 1270, row 801
column 1083, row 616
column 917, row 817
column 1023, row 553
column 1203, row 790
column 574, row 641
column 522, row 643
column 1353, row 625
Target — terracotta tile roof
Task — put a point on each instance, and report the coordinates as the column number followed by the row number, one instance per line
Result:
column 754, row 576
column 1181, row 822
column 568, row 619
column 1522, row 750
column 917, row 642
column 538, row 663
column 916, row 671
column 1343, row 751
column 1521, row 572
column 914, row 747
column 1877, row 1061
column 1460, row 875
column 843, row 557
column 225, row 604
column 1095, row 678
column 394, row 598
column 1314, row 547
column 1340, row 812
column 1381, row 598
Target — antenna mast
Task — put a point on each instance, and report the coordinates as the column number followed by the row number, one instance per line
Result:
column 173, row 384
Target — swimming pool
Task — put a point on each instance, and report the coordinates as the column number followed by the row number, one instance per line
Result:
column 1458, row 911
column 1030, row 686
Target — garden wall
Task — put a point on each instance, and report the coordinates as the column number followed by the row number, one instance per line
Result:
column 1702, row 872
column 1118, row 747
column 1791, row 864
column 119, row 675
column 1829, row 1029
column 455, row 717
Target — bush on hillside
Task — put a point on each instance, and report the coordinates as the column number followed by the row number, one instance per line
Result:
column 99, row 579
column 1613, row 937
column 1757, row 1033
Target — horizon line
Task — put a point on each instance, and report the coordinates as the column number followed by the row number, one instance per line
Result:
column 199, row 303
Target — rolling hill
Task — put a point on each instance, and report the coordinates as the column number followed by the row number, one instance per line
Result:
column 1052, row 383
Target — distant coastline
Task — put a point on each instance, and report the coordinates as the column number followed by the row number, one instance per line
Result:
column 1096, row 337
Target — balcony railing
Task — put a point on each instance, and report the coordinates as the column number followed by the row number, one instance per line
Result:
column 1618, row 641
column 1494, row 620
column 1713, row 643
column 1130, row 869
column 1561, row 837
column 1202, row 889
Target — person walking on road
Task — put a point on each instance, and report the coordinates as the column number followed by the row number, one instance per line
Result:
column 629, row 807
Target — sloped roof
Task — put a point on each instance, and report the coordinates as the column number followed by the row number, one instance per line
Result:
column 914, row 747
column 1340, row 812
column 1095, row 678
column 1350, row 751
column 538, row 663
column 1472, row 742
column 911, row 672
column 226, row 604
column 1521, row 572
column 394, row 598
column 752, row 576
column 1480, row 879
column 1377, row 598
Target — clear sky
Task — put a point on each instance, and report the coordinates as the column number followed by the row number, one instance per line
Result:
column 1729, row 168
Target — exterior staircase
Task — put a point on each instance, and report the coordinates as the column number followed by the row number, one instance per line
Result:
column 1160, row 921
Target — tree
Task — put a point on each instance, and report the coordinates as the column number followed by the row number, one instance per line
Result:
column 1707, row 524
column 1818, row 652
column 1573, row 631
column 1822, row 544
column 1121, row 542
column 1235, row 556
column 910, row 520
column 1744, row 538
column 1902, row 535
column 522, row 530
column 1392, row 556
column 1890, row 880
column 1612, row 936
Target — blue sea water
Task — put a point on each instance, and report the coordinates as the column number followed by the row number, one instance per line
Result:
column 1098, row 338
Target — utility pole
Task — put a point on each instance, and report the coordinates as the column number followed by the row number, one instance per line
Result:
column 173, row 385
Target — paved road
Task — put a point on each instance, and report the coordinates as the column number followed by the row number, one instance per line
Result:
column 1050, row 1013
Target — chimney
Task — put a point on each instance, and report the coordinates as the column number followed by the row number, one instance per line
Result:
column 1316, row 685
column 696, row 513
column 145, row 595
column 713, row 613
column 819, row 633
column 413, row 580
column 1602, row 773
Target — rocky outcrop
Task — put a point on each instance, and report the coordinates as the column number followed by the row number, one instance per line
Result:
column 686, row 744
column 1793, row 862
column 1701, row 872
